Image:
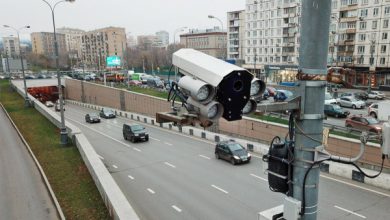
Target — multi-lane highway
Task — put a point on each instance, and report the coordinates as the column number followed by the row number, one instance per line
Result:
column 23, row 194
column 177, row 177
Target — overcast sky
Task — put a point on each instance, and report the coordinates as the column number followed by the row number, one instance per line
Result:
column 138, row 16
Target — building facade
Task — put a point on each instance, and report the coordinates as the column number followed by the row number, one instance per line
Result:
column 235, row 36
column 11, row 46
column 72, row 41
column 163, row 38
column 43, row 43
column 210, row 41
column 147, row 42
column 99, row 44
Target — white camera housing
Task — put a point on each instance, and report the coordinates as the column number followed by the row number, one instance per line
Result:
column 197, row 89
column 386, row 139
column 231, row 83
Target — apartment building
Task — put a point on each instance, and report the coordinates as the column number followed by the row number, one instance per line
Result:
column 72, row 41
column 210, row 41
column 235, row 36
column 11, row 46
column 99, row 44
column 43, row 43
column 147, row 42
column 163, row 38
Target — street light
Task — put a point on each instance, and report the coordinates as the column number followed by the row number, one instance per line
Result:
column 63, row 131
column 220, row 21
column 26, row 99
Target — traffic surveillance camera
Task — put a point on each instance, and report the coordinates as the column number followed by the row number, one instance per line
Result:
column 386, row 139
column 215, row 88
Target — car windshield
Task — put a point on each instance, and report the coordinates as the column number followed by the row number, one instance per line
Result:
column 235, row 147
column 93, row 115
column 372, row 121
column 137, row 128
column 336, row 107
column 107, row 111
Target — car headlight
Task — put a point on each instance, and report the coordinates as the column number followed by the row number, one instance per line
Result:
column 236, row 157
column 249, row 155
column 136, row 135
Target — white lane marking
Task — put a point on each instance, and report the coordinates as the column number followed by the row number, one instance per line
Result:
column 151, row 191
column 130, row 177
column 351, row 212
column 205, row 157
column 216, row 187
column 102, row 158
column 169, row 144
column 258, row 177
column 176, row 208
column 168, row 164
column 359, row 187
column 155, row 139
column 100, row 133
column 136, row 149
column 115, row 166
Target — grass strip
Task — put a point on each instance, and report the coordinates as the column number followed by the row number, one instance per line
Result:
column 63, row 166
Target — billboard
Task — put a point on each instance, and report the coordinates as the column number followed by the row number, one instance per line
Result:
column 113, row 61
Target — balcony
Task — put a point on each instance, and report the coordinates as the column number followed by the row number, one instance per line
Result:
column 349, row 19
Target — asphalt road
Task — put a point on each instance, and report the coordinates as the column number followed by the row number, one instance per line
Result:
column 23, row 194
column 177, row 177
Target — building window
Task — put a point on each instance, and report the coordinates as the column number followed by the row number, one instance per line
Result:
column 387, row 10
column 375, row 12
column 362, row 37
column 374, row 25
column 364, row 2
column 363, row 12
column 361, row 49
column 383, row 49
column 363, row 25
column 384, row 36
column 382, row 60
column 385, row 23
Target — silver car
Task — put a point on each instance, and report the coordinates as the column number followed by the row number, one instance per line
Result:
column 351, row 102
column 376, row 95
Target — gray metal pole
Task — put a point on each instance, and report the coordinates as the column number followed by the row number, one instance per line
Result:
column 63, row 131
column 26, row 99
column 312, row 62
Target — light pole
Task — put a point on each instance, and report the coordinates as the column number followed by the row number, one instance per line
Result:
column 26, row 99
column 220, row 21
column 372, row 68
column 63, row 131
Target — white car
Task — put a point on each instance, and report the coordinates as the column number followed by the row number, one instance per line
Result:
column 376, row 95
column 351, row 102
column 49, row 104
column 329, row 99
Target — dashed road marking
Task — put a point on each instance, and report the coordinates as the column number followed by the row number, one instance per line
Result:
column 351, row 212
column 155, row 139
column 115, row 166
column 205, row 157
column 176, row 208
column 151, row 191
column 168, row 164
column 130, row 177
column 169, row 144
column 220, row 189
column 102, row 158
column 258, row 177
column 136, row 149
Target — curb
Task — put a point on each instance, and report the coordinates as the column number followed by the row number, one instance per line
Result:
column 43, row 175
column 340, row 170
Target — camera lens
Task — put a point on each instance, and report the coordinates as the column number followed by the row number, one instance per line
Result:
column 238, row 85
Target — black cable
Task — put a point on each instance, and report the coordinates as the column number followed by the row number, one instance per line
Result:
column 304, row 188
column 360, row 170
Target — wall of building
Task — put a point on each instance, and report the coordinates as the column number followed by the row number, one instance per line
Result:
column 250, row 128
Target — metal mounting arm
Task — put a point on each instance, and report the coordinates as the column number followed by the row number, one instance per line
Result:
column 293, row 104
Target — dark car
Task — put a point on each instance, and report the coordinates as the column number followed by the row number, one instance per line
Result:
column 361, row 95
column 92, row 118
column 364, row 123
column 57, row 107
column 107, row 113
column 155, row 83
column 232, row 151
column 335, row 111
column 134, row 132
column 282, row 95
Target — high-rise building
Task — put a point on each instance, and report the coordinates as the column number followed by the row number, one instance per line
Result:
column 99, row 44
column 43, row 43
column 235, row 36
column 72, row 40
column 209, row 41
column 147, row 42
column 11, row 46
column 163, row 37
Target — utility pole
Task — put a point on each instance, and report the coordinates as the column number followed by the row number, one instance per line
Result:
column 372, row 68
column 309, row 123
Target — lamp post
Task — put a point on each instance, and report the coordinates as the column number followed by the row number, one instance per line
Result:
column 63, row 131
column 220, row 21
column 26, row 99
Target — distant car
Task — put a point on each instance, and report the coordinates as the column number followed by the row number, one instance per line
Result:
column 329, row 99
column 135, row 132
column 376, row 95
column 58, row 102
column 155, row 83
column 356, row 95
column 30, row 77
column 335, row 111
column 57, row 107
column 232, row 151
column 135, row 83
column 351, row 102
column 361, row 95
column 41, row 76
column 49, row 104
column 373, row 110
column 92, row 118
column 107, row 113
column 364, row 123
column 282, row 95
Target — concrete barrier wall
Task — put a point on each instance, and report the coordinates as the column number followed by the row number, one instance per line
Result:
column 116, row 203
column 248, row 127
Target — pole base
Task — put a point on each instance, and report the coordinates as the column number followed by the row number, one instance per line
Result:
column 27, row 103
column 64, row 136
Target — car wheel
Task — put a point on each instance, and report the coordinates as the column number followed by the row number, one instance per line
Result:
column 232, row 161
column 124, row 136
column 354, row 106
column 147, row 139
column 336, row 115
column 372, row 114
column 132, row 139
column 217, row 156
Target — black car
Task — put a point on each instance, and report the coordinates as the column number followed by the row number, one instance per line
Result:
column 361, row 95
column 335, row 111
column 134, row 132
column 232, row 152
column 92, row 118
column 107, row 113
